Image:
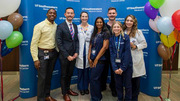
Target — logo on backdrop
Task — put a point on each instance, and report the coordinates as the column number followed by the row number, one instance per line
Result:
column 92, row 9
column 25, row 18
column 145, row 31
column 55, row 72
column 73, row 0
column 24, row 90
column 24, row 43
column 158, row 65
column 117, row 19
column 23, row 66
column 157, row 87
column 117, row 0
column 145, row 54
column 136, row 9
column 77, row 20
column 45, row 7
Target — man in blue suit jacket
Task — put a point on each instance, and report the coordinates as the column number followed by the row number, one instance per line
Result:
column 68, row 44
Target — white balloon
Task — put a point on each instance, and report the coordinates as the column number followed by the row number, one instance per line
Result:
column 8, row 6
column 169, row 7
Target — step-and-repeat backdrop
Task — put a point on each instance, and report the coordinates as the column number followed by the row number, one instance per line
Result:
column 34, row 11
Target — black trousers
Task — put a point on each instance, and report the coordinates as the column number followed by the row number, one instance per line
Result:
column 67, row 68
column 45, row 73
column 135, row 88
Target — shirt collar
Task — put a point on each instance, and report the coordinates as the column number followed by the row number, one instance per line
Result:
column 68, row 23
column 46, row 20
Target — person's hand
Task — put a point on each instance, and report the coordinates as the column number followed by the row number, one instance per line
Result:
column 133, row 46
column 95, row 63
column 70, row 58
column 37, row 64
column 120, row 70
column 90, row 62
column 117, row 71
column 75, row 55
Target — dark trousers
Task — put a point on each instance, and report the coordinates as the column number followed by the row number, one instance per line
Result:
column 95, row 84
column 45, row 74
column 135, row 88
column 67, row 68
column 124, row 80
column 83, row 79
column 104, row 75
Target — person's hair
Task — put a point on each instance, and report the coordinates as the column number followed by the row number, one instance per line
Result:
column 51, row 9
column 134, row 27
column 120, row 24
column 69, row 8
column 104, row 28
column 84, row 12
column 111, row 8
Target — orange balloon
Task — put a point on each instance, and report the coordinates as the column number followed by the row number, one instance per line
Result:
column 164, row 52
column 16, row 20
column 177, row 35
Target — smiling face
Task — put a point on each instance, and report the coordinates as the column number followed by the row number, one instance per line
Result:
column 112, row 15
column 129, row 22
column 51, row 15
column 69, row 14
column 99, row 23
column 116, row 28
column 84, row 17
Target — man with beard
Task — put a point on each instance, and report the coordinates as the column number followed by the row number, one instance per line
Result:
column 44, row 54
column 68, row 44
column 112, row 18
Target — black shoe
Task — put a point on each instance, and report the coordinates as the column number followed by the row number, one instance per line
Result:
column 82, row 92
column 86, row 91
column 114, row 93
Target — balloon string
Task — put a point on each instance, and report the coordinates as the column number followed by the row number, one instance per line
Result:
column 161, row 98
column 1, row 73
column 171, row 70
column 15, row 98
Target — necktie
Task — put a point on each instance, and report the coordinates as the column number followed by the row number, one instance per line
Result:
column 71, row 30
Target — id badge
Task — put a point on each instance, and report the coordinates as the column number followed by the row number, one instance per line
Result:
column 46, row 55
column 93, row 52
column 118, row 60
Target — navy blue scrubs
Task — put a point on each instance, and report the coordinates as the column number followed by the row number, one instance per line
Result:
column 124, row 55
column 97, row 44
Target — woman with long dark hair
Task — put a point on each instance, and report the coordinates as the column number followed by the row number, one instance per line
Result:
column 98, row 45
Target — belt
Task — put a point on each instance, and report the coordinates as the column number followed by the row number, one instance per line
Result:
column 50, row 50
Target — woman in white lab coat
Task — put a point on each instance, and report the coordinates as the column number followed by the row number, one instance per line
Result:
column 84, row 35
column 137, row 43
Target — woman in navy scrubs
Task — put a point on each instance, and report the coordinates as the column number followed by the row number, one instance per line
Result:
column 98, row 45
column 121, row 60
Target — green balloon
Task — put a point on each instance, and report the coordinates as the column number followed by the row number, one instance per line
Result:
column 156, row 3
column 14, row 39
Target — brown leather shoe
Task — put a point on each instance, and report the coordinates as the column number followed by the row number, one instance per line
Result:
column 70, row 92
column 66, row 97
column 50, row 99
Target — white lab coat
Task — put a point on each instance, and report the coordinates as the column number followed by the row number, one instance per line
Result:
column 137, row 54
column 82, row 38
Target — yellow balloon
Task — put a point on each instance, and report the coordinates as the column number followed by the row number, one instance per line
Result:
column 168, row 40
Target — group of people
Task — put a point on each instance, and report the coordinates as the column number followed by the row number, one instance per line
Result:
column 92, row 50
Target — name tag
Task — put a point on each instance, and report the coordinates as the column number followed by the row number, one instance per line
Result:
column 117, row 60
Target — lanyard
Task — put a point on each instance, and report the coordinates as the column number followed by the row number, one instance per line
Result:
column 84, row 30
column 118, row 46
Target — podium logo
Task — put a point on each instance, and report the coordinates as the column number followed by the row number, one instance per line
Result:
column 73, row 0
column 23, row 67
column 141, row 8
column 92, row 9
column 117, row 0
column 157, row 87
column 24, row 90
column 45, row 7
column 158, row 65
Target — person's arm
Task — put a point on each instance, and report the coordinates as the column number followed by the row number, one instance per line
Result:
column 77, row 45
column 59, row 40
column 34, row 46
column 89, row 55
column 101, row 52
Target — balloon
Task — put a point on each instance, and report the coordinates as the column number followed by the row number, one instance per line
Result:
column 14, row 39
column 153, row 24
column 177, row 35
column 169, row 7
column 8, row 6
column 164, row 25
column 150, row 11
column 169, row 40
column 16, row 20
column 4, row 49
column 176, row 19
column 156, row 3
column 164, row 52
column 6, row 29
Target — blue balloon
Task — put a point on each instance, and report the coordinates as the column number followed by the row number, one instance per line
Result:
column 4, row 49
column 6, row 29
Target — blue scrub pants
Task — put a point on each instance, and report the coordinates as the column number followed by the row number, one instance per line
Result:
column 83, row 79
column 95, row 88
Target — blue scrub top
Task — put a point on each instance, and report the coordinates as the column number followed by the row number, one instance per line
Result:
column 97, row 44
